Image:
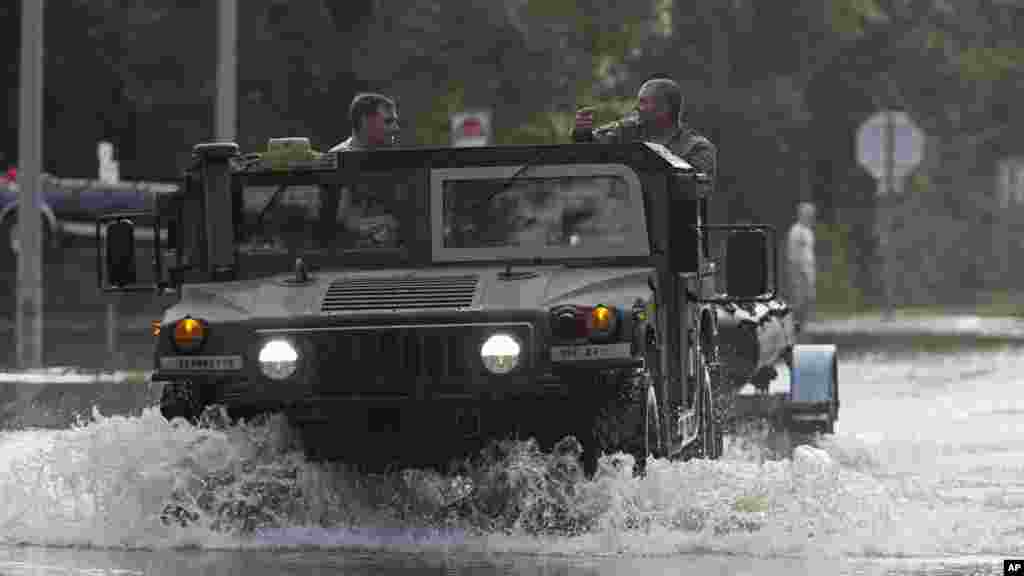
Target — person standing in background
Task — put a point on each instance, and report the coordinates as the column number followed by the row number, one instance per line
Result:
column 802, row 272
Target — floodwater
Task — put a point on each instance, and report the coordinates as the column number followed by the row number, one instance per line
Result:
column 925, row 475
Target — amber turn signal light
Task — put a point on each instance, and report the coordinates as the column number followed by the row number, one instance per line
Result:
column 156, row 327
column 189, row 334
column 602, row 319
column 577, row 322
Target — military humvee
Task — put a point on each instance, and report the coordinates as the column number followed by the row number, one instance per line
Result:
column 394, row 302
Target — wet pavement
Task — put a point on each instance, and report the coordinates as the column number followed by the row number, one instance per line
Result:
column 907, row 325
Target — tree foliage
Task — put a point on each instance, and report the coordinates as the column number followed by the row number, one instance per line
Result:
column 780, row 91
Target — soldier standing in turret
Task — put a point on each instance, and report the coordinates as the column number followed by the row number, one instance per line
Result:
column 374, row 119
column 658, row 117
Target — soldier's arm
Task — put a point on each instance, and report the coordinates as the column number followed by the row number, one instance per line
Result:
column 600, row 135
column 702, row 157
column 608, row 134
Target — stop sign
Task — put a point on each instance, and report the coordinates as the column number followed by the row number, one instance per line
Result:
column 471, row 128
column 890, row 138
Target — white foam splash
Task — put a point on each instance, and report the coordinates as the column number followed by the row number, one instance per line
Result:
column 929, row 474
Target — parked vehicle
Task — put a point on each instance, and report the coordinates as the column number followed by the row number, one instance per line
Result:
column 70, row 206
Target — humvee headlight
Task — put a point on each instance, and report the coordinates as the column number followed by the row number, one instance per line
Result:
column 189, row 334
column 500, row 353
column 278, row 359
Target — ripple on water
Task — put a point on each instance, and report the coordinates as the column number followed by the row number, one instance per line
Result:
column 142, row 482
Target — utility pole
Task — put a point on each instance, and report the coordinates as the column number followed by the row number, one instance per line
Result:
column 227, row 70
column 29, row 314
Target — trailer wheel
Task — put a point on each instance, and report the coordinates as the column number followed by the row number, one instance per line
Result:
column 814, row 386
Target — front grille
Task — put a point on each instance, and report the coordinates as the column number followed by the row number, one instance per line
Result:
column 390, row 361
column 360, row 294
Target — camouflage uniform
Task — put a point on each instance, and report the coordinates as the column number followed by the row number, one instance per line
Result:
column 697, row 150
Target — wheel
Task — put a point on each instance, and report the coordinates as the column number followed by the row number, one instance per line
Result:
column 195, row 404
column 652, row 424
column 624, row 418
column 181, row 399
column 710, row 443
column 711, row 429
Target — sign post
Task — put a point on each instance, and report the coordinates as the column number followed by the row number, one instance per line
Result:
column 889, row 145
column 29, row 309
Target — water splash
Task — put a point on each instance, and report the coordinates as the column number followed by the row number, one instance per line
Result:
column 914, row 488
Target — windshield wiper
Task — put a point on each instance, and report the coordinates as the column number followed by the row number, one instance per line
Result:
column 510, row 181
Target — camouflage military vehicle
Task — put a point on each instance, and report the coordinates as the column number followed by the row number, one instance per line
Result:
column 396, row 301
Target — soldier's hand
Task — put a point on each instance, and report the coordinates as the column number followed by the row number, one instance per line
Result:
column 584, row 119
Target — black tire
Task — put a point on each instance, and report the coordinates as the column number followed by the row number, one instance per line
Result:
column 653, row 441
column 181, row 399
column 713, row 438
column 625, row 418
column 710, row 442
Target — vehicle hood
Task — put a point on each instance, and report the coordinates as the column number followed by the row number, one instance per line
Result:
column 490, row 288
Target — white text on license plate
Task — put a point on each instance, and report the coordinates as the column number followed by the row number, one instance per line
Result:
column 201, row 363
column 590, row 352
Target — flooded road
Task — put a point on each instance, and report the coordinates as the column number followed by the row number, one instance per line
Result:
column 925, row 475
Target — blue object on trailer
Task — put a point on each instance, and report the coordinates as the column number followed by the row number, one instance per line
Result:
column 814, row 387
column 811, row 404
column 814, row 374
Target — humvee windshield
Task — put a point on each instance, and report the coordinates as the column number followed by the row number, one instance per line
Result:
column 549, row 212
column 315, row 218
column 552, row 214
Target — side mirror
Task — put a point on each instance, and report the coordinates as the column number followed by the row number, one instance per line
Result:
column 746, row 264
column 120, row 248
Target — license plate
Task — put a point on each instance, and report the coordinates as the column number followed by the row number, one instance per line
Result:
column 199, row 363
column 590, row 352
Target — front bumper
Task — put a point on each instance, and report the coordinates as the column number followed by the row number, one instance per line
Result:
column 393, row 362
